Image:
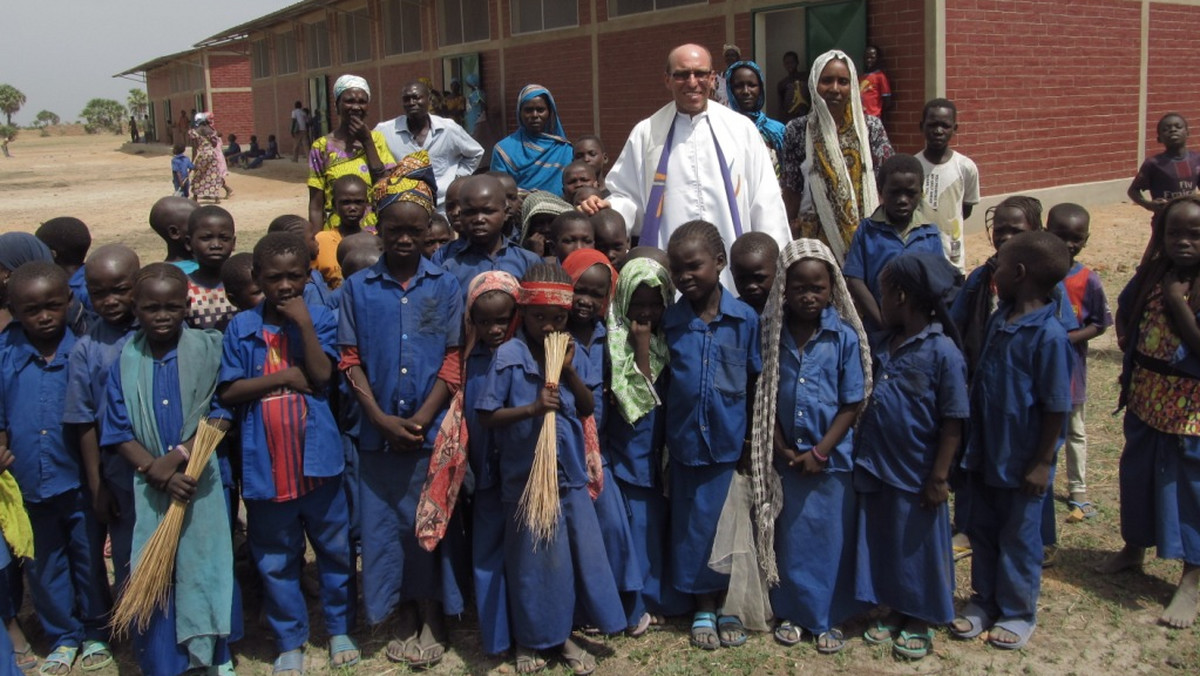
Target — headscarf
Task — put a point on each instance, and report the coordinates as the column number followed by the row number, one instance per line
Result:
column 554, row 294
column 771, row 130
column 448, row 464
column 930, row 279
column 580, row 261
column 350, row 82
column 540, row 202
column 634, row 392
column 536, row 161
column 768, row 492
column 842, row 194
column 412, row 180
column 19, row 248
column 203, row 118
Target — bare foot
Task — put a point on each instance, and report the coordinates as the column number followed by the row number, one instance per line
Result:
column 1002, row 635
column 1181, row 612
column 1126, row 559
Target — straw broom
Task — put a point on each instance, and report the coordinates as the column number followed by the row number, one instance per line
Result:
column 149, row 586
column 539, row 508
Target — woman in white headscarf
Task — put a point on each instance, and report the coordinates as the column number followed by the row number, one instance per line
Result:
column 830, row 157
column 352, row 149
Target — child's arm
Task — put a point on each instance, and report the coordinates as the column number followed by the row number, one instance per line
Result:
column 585, row 405
column 868, row 309
column 809, row 461
column 317, row 365
column 401, row 433
column 245, row 390
column 438, row 397
column 1136, row 196
column 548, row 400
column 1037, row 475
column 640, row 334
column 1083, row 335
column 937, row 484
column 6, row 454
column 165, row 473
column 1175, row 288
column 89, row 452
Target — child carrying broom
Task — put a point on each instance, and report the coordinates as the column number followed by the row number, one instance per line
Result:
column 169, row 363
column 547, row 579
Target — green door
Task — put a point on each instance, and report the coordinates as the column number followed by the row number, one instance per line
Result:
column 836, row 25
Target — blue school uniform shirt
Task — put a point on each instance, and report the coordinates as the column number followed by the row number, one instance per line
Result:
column 917, row 386
column 32, row 395
column 115, row 428
column 316, row 292
column 815, row 384
column 482, row 454
column 87, row 384
column 402, row 335
column 710, row 368
column 180, row 164
column 516, row 380
column 469, row 261
column 960, row 309
column 876, row 242
column 79, row 287
column 591, row 363
column 634, row 451
column 243, row 355
column 1024, row 372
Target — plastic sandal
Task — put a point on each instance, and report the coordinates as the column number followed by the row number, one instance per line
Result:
column 426, row 656
column 343, row 644
column 903, row 645
column 1080, row 511
column 581, row 663
column 834, row 642
column 788, row 634
column 727, row 624
column 292, row 660
column 638, row 630
column 529, row 661
column 707, row 624
column 61, row 656
column 94, row 649
column 873, row 635
column 1022, row 629
column 976, row 617
column 27, row 660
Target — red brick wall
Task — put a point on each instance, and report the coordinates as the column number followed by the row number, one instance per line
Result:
column 898, row 28
column 234, row 114
column 1031, row 116
column 1172, row 51
column 229, row 70
column 567, row 74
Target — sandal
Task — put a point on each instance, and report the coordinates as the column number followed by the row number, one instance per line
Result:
column 1080, row 511
column 976, row 617
column 529, row 661
column 290, row 661
column 581, row 663
column 423, row 656
column 881, row 633
column 1022, row 629
column 704, row 625
column 638, row 630
column 731, row 624
column 903, row 646
column 831, row 642
column 397, row 649
column 340, row 645
column 788, row 634
column 95, row 649
column 62, row 657
column 27, row 660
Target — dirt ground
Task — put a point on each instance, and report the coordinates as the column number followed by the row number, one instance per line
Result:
column 1088, row 624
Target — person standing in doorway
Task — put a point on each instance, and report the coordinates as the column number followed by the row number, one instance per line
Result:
column 300, row 140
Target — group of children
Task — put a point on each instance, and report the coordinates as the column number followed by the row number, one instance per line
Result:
column 383, row 393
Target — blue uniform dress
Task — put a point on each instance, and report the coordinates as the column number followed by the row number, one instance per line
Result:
column 466, row 262
column 547, row 581
column 316, row 291
column 591, row 363
column 814, row 533
column 706, row 421
column 67, row 580
column 277, row 527
column 78, row 284
column 349, row 420
column 1024, row 372
column 402, row 333
column 487, row 521
column 159, row 650
column 905, row 559
column 87, row 380
column 876, row 242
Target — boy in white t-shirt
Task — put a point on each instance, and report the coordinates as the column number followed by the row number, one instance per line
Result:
column 951, row 179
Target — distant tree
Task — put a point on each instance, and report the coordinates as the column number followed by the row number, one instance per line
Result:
column 45, row 119
column 103, row 115
column 137, row 103
column 11, row 100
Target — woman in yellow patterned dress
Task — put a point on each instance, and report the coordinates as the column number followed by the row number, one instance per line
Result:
column 352, row 148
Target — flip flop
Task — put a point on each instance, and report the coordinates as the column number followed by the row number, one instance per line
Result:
column 581, row 664
column 1022, row 629
column 339, row 644
column 61, row 656
column 834, row 639
column 95, row 649
column 638, row 630
column 1080, row 511
column 902, row 647
column 529, row 662
column 292, row 660
column 397, row 649
column 788, row 634
column 873, row 634
column 704, row 624
column 426, row 656
column 727, row 624
column 27, row 660
column 977, row 617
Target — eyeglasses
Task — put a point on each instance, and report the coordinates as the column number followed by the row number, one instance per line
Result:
column 685, row 75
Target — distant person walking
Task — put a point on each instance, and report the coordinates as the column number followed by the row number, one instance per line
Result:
column 300, row 140
column 133, row 130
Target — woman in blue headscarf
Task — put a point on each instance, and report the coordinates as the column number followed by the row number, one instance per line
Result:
column 746, row 94
column 536, row 153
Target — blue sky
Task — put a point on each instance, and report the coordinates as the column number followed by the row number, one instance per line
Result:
column 61, row 53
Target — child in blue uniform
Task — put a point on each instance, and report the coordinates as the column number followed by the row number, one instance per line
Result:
column 547, row 580
column 714, row 361
column 595, row 282
column 637, row 351
column 276, row 368
column 394, row 334
column 905, row 445
column 69, row 590
column 482, row 210
column 69, row 241
column 887, row 233
column 1157, row 321
column 752, row 260
column 168, row 362
column 814, row 381
column 1020, row 396
column 316, row 290
column 109, row 273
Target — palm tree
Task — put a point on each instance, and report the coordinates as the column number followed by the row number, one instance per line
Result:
column 11, row 100
column 137, row 102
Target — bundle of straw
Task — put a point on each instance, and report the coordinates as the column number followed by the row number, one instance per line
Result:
column 539, row 507
column 149, row 586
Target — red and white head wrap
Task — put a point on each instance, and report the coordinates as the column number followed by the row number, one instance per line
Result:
column 555, row 294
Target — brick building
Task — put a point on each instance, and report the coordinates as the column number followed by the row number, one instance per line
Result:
column 1051, row 92
column 206, row 78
